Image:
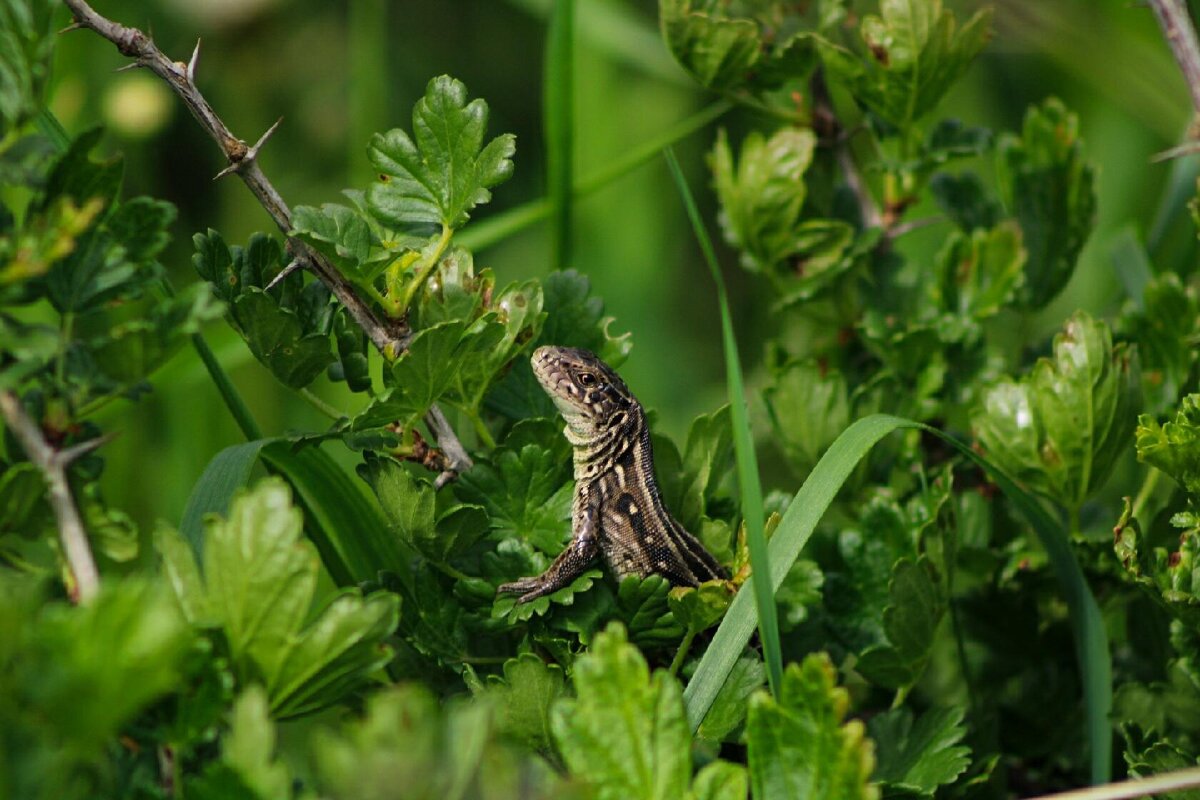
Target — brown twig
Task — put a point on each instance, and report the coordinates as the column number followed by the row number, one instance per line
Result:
column 1180, row 34
column 826, row 119
column 389, row 336
column 53, row 465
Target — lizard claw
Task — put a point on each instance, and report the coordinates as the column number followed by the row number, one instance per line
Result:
column 528, row 588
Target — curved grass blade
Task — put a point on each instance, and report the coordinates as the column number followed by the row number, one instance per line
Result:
column 558, row 102
column 743, row 446
column 346, row 526
column 806, row 510
column 228, row 471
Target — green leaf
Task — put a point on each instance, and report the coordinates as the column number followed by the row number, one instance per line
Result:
column 26, row 349
column 277, row 338
column 525, row 696
column 1170, row 574
column 1060, row 429
column 914, row 52
column 751, row 46
column 526, row 493
column 258, row 586
column 643, row 606
column 698, row 608
column 27, row 34
column 808, row 406
column 721, row 780
column 286, row 328
column 408, row 745
column 909, row 622
column 125, row 647
column 353, row 366
column 806, row 510
column 1166, row 327
column 130, row 351
column 729, row 707
column 762, row 194
column 919, row 756
column 1174, row 447
column 980, row 273
column 625, row 732
column 801, row 744
column 248, row 751
column 411, row 505
column 345, row 237
column 717, row 50
column 21, row 491
column 442, row 175
column 1050, row 190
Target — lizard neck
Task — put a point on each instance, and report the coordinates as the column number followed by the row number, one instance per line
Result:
column 597, row 449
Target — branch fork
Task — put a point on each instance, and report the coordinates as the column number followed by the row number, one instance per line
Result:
column 390, row 337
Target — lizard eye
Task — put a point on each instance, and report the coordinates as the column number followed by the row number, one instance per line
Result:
column 587, row 379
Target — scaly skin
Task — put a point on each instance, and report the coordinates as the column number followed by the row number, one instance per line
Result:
column 617, row 512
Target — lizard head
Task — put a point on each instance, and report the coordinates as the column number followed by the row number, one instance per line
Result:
column 587, row 392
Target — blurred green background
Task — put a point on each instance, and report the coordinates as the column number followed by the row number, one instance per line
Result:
column 338, row 71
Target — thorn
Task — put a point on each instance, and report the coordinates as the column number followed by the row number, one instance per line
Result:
column 66, row 457
column 129, row 66
column 236, row 164
column 1185, row 149
column 292, row 266
column 74, row 26
column 192, row 62
column 253, row 152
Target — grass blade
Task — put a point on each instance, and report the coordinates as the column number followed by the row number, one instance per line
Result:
column 806, row 510
column 743, row 446
column 227, row 472
column 558, row 99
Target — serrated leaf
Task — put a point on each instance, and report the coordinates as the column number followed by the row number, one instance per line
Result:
column 717, row 50
column 278, row 339
column 525, row 696
column 730, row 705
column 248, row 753
column 801, row 744
column 762, row 194
column 411, row 505
column 698, row 608
column 919, row 756
column 408, row 745
column 1174, row 446
column 258, row 585
column 24, row 349
column 808, row 407
column 526, row 494
column 980, row 273
column 913, row 53
column 1060, row 429
column 345, row 237
column 643, row 605
column 1050, row 190
column 1166, row 327
column 442, row 175
column 625, row 732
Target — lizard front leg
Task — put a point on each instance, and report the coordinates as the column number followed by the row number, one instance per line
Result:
column 571, row 563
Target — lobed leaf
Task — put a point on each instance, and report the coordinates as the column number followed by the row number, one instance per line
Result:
column 437, row 176
column 1050, row 190
column 800, row 744
column 1060, row 429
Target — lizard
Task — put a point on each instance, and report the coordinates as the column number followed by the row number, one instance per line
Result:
column 617, row 510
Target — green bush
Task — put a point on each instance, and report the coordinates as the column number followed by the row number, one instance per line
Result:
column 940, row 611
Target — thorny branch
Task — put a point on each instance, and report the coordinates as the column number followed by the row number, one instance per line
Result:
column 53, row 465
column 390, row 337
column 1180, row 34
column 824, row 117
